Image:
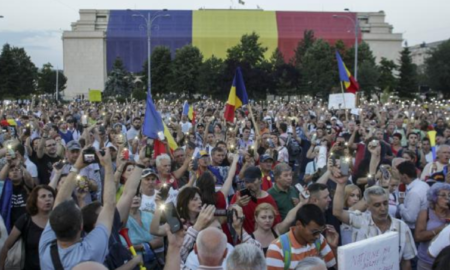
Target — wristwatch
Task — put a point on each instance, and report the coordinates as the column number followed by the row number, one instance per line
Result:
column 73, row 169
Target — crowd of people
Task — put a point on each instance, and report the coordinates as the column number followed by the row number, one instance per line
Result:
column 281, row 187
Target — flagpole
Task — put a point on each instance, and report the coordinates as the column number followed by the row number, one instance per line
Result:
column 253, row 119
column 343, row 97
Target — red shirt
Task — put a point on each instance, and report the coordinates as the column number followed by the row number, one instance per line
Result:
column 266, row 182
column 249, row 212
column 221, row 203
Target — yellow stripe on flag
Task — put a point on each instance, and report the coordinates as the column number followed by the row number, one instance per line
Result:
column 172, row 144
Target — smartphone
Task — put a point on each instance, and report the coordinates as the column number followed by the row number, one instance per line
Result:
column 164, row 192
column 148, row 151
column 247, row 192
column 195, row 164
column 302, row 191
column 345, row 165
column 172, row 217
column 126, row 154
column 313, row 138
column 59, row 165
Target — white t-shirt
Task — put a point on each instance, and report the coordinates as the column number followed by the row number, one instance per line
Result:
column 440, row 242
column 148, row 203
column 31, row 168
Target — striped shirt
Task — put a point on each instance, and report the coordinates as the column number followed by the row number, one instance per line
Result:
column 275, row 257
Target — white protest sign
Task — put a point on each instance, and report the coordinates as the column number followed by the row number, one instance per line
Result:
column 336, row 101
column 376, row 253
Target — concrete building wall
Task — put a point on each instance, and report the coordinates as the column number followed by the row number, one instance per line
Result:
column 84, row 53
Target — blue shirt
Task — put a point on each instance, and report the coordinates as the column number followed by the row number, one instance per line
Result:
column 93, row 247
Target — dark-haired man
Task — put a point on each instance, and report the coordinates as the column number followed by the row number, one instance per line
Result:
column 62, row 235
column 305, row 239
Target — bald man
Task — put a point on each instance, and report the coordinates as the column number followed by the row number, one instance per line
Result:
column 211, row 247
column 442, row 156
column 90, row 266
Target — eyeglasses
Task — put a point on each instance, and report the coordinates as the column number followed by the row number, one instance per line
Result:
column 444, row 196
column 50, row 145
column 318, row 232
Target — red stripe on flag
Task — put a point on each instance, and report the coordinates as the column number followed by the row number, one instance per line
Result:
column 229, row 113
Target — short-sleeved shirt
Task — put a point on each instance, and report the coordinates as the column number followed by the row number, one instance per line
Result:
column 18, row 202
column 284, row 199
column 249, row 211
column 275, row 256
column 45, row 167
column 365, row 228
column 93, row 247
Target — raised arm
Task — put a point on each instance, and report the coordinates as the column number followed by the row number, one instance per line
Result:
column 231, row 173
column 338, row 203
column 106, row 215
column 130, row 188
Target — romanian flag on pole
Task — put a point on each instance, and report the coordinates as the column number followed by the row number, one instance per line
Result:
column 350, row 84
column 154, row 128
column 189, row 111
column 238, row 96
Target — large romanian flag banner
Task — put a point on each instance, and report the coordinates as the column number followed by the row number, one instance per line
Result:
column 350, row 84
column 238, row 96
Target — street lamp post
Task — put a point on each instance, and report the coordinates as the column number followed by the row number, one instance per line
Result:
column 356, row 25
column 148, row 25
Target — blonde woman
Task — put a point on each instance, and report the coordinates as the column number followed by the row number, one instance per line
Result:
column 352, row 196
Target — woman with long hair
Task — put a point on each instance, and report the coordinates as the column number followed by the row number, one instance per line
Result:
column 30, row 226
column 188, row 206
column 122, row 174
column 431, row 222
column 352, row 195
column 207, row 185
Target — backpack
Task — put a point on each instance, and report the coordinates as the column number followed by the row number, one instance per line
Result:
column 287, row 252
column 293, row 147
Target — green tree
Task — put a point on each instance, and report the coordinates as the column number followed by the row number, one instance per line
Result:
column 161, row 70
column 302, row 47
column 368, row 78
column 211, row 78
column 18, row 75
column 364, row 54
column 285, row 75
column 47, row 80
column 320, row 69
column 407, row 84
column 249, row 50
column 437, row 68
column 120, row 83
column 387, row 80
column 186, row 70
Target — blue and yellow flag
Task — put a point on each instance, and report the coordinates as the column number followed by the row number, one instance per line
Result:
column 238, row 96
column 350, row 84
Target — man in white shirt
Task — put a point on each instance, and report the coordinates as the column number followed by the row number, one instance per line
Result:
column 185, row 124
column 416, row 194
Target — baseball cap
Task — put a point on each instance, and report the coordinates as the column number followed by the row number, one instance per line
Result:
column 147, row 172
column 251, row 174
column 203, row 153
column 265, row 158
column 73, row 145
column 200, row 125
column 334, row 118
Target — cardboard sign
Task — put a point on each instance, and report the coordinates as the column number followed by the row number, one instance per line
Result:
column 95, row 96
column 377, row 253
column 336, row 101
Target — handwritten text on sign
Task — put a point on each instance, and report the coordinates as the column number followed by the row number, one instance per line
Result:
column 376, row 253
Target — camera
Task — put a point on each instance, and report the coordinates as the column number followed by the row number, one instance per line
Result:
column 89, row 156
column 164, row 192
column 59, row 165
column 228, row 213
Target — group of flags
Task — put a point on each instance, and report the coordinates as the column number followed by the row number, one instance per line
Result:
column 154, row 127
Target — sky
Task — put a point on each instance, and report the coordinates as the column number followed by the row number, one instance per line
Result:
column 37, row 25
